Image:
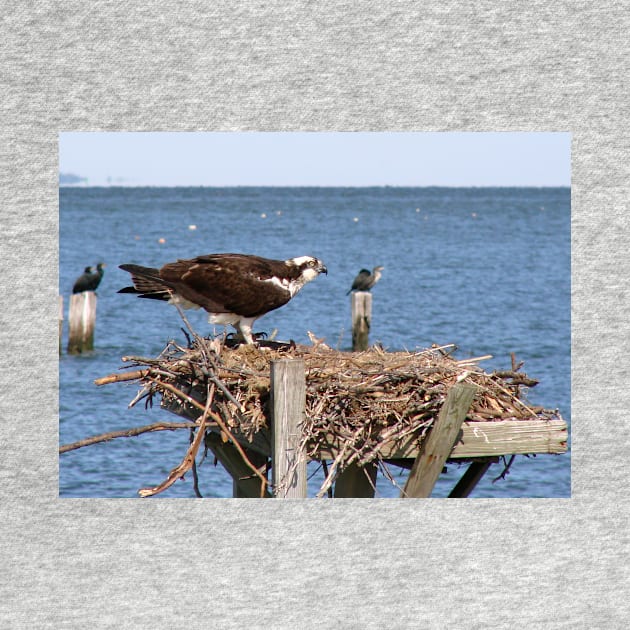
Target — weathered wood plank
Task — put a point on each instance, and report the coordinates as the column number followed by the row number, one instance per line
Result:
column 469, row 480
column 437, row 446
column 361, row 308
column 477, row 439
column 512, row 437
column 483, row 439
column 245, row 483
column 81, row 322
column 288, row 400
column 354, row 482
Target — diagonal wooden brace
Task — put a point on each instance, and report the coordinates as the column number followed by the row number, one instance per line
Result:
column 438, row 445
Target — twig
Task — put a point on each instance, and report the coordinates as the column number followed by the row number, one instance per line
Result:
column 105, row 437
column 179, row 471
column 194, row 471
column 142, row 360
column 183, row 316
column 126, row 376
column 506, row 470
column 518, row 378
column 219, row 421
column 179, row 393
column 325, row 469
column 369, row 478
column 188, row 339
column 516, row 366
column 388, row 474
column 143, row 393
column 333, row 469
column 226, row 392
column 464, row 362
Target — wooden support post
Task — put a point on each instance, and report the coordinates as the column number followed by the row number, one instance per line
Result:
column 60, row 321
column 353, row 482
column 288, row 400
column 437, row 446
column 245, row 483
column 81, row 322
column 469, row 479
column 361, row 307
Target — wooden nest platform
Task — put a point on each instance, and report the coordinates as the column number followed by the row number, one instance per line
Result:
column 360, row 410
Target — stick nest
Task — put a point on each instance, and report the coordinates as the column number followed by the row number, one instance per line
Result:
column 361, row 399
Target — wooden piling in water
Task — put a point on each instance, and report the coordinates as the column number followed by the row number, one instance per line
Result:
column 288, row 400
column 60, row 321
column 81, row 322
column 437, row 446
column 361, row 309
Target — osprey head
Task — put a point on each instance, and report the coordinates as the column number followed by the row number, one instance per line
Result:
column 308, row 267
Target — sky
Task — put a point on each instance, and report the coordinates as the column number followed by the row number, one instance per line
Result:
column 317, row 158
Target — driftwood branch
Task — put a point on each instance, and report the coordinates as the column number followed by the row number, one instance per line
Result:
column 221, row 424
column 122, row 376
column 106, row 437
column 516, row 378
column 179, row 471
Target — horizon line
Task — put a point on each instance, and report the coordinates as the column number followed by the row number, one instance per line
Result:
column 314, row 185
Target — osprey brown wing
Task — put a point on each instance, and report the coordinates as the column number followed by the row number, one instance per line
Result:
column 229, row 283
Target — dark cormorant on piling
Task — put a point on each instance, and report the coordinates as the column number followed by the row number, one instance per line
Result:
column 82, row 282
column 97, row 277
column 89, row 280
column 366, row 280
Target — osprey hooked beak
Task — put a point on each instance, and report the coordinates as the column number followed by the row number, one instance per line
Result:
column 310, row 267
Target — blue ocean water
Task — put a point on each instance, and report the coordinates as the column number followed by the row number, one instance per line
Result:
column 485, row 268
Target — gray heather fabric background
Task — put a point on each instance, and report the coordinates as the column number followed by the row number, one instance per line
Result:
column 303, row 66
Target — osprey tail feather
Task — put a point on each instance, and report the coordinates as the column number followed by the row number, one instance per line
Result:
column 146, row 283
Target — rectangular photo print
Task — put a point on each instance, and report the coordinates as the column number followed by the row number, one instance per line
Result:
column 315, row 315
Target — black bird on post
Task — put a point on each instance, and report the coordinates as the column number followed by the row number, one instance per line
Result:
column 82, row 311
column 90, row 280
column 97, row 277
column 366, row 280
column 83, row 282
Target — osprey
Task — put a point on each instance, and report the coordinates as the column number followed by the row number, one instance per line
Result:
column 366, row 280
column 234, row 289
